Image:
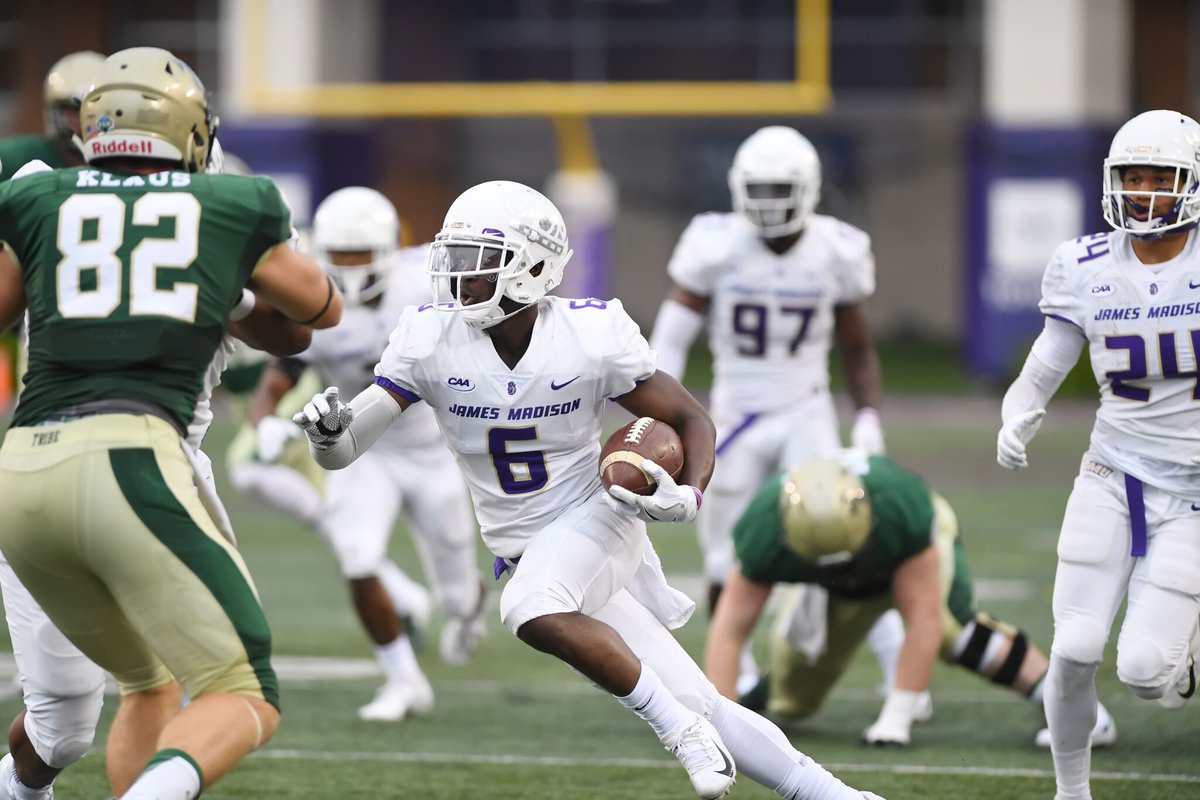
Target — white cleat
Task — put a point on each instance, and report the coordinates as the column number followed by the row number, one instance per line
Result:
column 420, row 695
column 702, row 753
column 1103, row 735
column 8, row 783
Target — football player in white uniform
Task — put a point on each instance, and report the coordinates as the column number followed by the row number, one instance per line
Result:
column 519, row 382
column 1131, row 524
column 776, row 282
column 355, row 237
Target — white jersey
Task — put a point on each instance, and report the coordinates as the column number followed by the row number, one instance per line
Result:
column 771, row 316
column 345, row 355
column 1143, row 334
column 528, row 438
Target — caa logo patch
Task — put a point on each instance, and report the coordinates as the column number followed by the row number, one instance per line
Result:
column 460, row 384
column 1102, row 290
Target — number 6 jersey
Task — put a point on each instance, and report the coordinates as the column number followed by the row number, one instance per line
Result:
column 527, row 438
column 1142, row 325
column 129, row 280
column 770, row 321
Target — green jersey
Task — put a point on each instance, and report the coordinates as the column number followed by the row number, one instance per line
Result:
column 129, row 280
column 17, row 151
column 902, row 526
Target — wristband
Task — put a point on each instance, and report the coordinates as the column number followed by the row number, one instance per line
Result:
column 244, row 306
column 699, row 497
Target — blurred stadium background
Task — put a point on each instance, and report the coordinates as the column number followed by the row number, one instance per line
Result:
column 964, row 135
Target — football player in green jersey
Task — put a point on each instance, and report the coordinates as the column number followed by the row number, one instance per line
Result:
column 130, row 268
column 62, row 91
column 871, row 536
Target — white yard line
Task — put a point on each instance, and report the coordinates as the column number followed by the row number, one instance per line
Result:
column 640, row 763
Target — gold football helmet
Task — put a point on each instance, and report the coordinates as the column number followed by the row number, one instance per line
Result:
column 826, row 510
column 66, row 83
column 146, row 103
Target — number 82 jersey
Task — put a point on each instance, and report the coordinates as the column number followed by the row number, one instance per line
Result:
column 129, row 280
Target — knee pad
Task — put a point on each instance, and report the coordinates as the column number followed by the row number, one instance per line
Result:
column 980, row 643
column 1080, row 640
column 1143, row 667
column 61, row 729
column 522, row 601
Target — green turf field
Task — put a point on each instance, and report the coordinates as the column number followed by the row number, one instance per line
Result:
column 516, row 724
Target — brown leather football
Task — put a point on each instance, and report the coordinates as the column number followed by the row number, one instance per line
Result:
column 644, row 438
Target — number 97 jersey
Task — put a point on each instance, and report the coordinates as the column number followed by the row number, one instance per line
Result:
column 771, row 315
column 1143, row 333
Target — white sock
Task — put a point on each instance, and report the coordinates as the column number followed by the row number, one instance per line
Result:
column 886, row 637
column 765, row 755
column 748, row 674
column 174, row 777
column 1070, row 695
column 397, row 658
column 1038, row 693
column 17, row 790
column 280, row 487
column 651, row 701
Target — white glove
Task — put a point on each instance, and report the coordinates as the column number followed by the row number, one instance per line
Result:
column 272, row 437
column 894, row 726
column 670, row 501
column 324, row 418
column 867, row 433
column 1016, row 433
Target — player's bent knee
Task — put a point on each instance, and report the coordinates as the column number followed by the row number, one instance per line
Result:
column 523, row 601
column 1143, row 667
column 1079, row 640
column 61, row 731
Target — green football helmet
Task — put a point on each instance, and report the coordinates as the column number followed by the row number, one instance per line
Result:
column 826, row 511
column 146, row 103
column 65, row 85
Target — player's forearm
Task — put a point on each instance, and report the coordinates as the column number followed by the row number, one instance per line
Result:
column 922, row 641
column 265, row 328
column 374, row 411
column 1050, row 359
column 863, row 376
column 272, row 386
column 675, row 328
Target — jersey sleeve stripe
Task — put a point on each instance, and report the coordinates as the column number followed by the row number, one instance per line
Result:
column 407, row 394
column 1070, row 322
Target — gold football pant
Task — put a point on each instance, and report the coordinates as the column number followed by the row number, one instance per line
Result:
column 102, row 523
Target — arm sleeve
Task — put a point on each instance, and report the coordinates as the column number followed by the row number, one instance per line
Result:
column 856, row 264
column 629, row 359
column 674, row 331
column 692, row 262
column 1060, row 294
column 399, row 368
column 1051, row 358
column 374, row 411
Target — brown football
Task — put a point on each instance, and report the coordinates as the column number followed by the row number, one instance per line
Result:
column 644, row 438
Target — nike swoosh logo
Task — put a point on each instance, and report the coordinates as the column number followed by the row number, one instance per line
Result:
column 557, row 386
column 1193, row 285
column 728, row 769
column 1195, row 506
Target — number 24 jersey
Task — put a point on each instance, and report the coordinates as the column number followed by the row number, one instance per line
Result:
column 1143, row 332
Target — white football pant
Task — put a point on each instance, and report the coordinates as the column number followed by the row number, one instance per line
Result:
column 63, row 689
column 1096, row 569
column 750, row 448
column 364, row 499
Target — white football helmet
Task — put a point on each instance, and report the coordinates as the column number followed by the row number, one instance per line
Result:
column 357, row 219
column 775, row 180
column 505, row 232
column 1165, row 139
